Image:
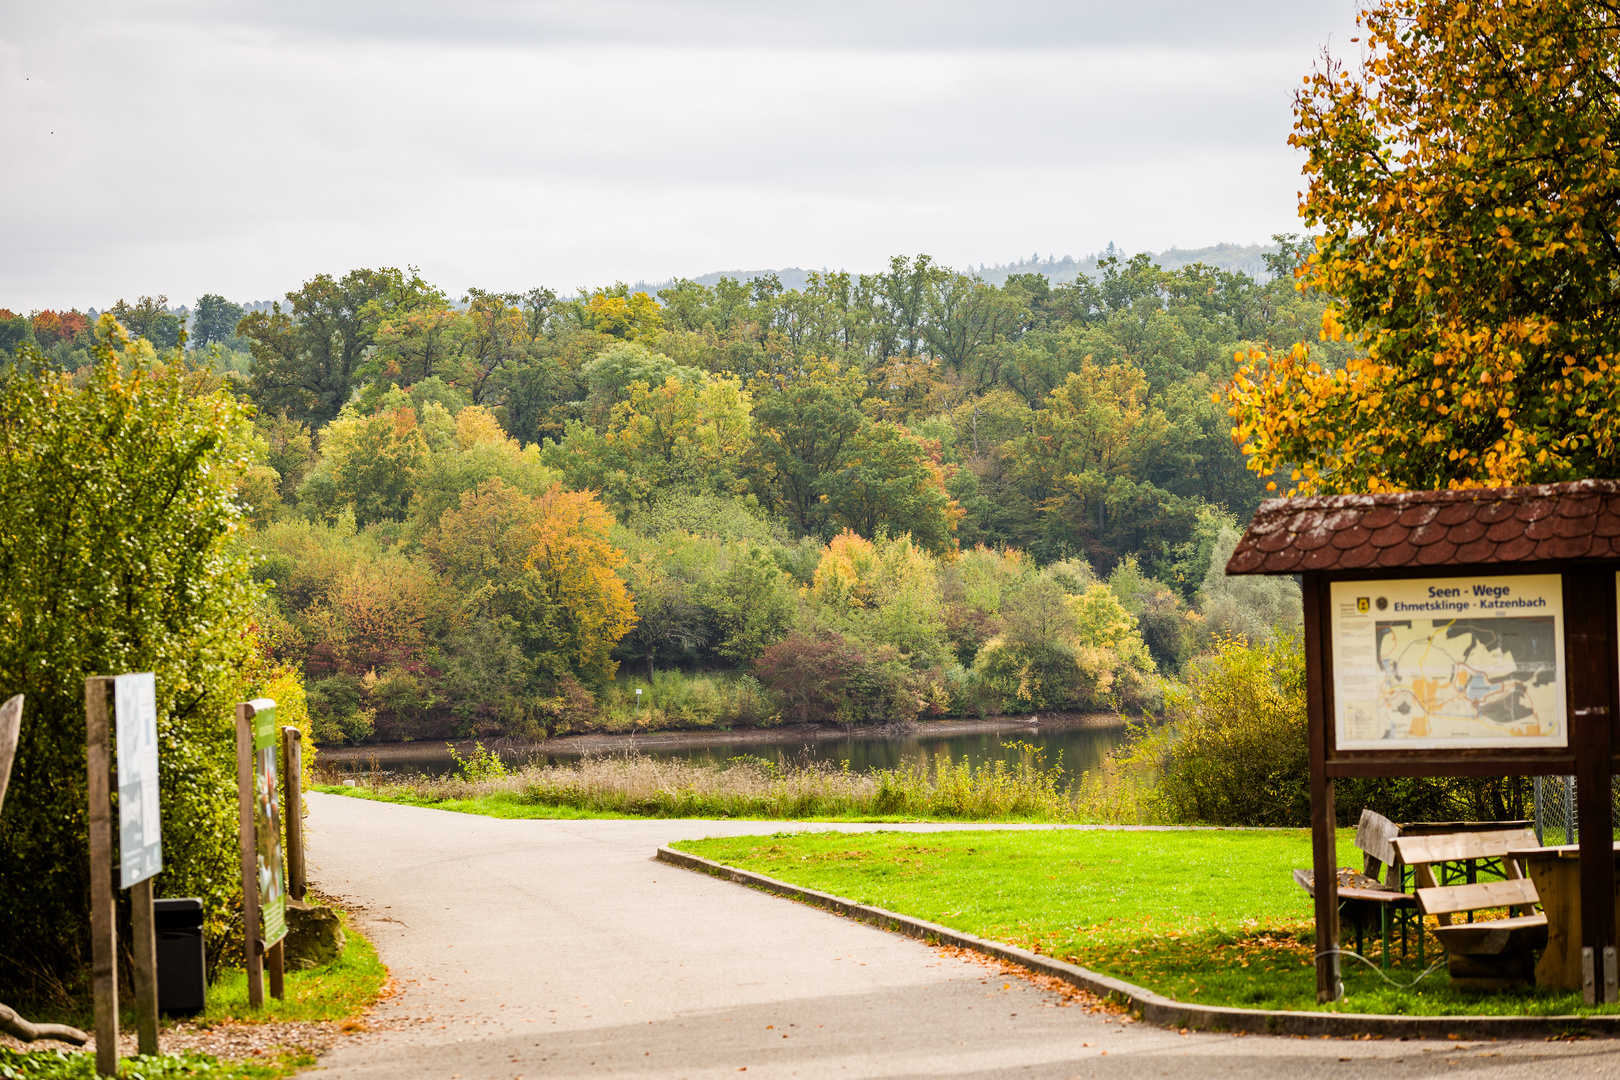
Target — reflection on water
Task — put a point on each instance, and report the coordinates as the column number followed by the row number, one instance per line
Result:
column 1078, row 750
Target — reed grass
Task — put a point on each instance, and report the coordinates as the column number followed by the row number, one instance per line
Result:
column 674, row 700
column 749, row 787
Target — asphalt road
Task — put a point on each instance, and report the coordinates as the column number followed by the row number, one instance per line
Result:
column 561, row 949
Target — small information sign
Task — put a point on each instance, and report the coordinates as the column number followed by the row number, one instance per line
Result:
column 267, row 827
column 140, row 821
column 1456, row 662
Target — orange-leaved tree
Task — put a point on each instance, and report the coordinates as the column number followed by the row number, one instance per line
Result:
column 1465, row 177
column 574, row 564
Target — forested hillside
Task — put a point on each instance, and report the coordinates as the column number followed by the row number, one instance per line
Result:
column 869, row 499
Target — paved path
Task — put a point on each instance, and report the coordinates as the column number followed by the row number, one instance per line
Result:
column 561, row 949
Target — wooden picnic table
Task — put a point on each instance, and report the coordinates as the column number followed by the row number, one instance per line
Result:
column 1556, row 872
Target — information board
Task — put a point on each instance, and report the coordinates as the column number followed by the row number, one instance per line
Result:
column 1449, row 663
column 140, row 820
column 267, row 827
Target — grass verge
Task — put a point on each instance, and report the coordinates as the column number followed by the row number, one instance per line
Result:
column 1211, row 917
column 62, row 1065
column 635, row 785
column 336, row 993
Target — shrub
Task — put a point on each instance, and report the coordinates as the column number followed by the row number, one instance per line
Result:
column 118, row 500
column 807, row 674
column 1237, row 753
column 830, row 679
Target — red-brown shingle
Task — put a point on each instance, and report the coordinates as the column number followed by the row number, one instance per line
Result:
column 1579, row 520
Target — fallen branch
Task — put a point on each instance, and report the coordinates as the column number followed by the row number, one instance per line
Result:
column 18, row 1028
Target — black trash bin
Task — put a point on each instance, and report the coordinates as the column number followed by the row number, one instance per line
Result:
column 182, row 968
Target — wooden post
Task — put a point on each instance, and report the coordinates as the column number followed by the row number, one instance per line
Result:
column 103, row 915
column 275, row 963
column 292, row 807
column 1324, row 836
column 252, row 951
column 1589, row 605
column 144, row 946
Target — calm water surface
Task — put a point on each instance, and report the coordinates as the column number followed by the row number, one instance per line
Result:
column 1076, row 749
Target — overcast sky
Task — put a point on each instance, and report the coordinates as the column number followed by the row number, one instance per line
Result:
column 187, row 147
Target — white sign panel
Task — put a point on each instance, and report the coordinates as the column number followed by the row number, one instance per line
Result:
column 1449, row 663
column 140, row 826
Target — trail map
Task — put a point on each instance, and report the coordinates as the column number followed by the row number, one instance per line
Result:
column 1460, row 662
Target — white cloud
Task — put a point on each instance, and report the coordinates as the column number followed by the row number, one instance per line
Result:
column 212, row 149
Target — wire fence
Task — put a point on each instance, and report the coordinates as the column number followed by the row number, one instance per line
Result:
column 1555, row 810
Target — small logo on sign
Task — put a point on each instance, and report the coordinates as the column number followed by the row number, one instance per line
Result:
column 1382, row 603
column 1363, row 603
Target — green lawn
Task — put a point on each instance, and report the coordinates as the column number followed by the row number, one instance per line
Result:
column 1209, row 916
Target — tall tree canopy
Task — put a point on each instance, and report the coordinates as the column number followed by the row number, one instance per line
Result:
column 1467, row 181
column 305, row 359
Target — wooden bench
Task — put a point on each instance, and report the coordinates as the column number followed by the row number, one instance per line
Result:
column 1487, row 955
column 1363, row 899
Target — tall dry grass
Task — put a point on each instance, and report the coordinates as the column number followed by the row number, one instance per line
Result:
column 633, row 783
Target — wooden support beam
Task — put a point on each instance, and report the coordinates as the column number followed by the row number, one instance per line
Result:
column 1589, row 606
column 143, row 946
column 103, row 915
column 1324, row 837
column 252, row 940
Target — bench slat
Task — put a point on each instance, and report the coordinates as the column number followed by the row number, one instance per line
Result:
column 1455, row 847
column 1373, row 836
column 1496, row 936
column 1450, row 899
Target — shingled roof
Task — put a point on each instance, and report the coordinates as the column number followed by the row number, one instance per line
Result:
column 1579, row 520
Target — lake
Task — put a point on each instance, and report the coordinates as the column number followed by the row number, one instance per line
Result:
column 1079, row 747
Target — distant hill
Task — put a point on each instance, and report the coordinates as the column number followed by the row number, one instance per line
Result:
column 1245, row 258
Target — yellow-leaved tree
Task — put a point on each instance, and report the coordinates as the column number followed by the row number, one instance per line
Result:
column 1465, row 177
column 574, row 564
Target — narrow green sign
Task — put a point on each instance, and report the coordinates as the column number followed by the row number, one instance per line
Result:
column 267, row 827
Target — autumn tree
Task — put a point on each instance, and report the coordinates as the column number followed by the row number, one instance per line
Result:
column 574, row 565
column 52, row 328
column 1465, row 177
column 680, row 435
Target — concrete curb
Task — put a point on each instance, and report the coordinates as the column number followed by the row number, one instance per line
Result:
column 1167, row 1012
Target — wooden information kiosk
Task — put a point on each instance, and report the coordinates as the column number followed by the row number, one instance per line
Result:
column 1458, row 633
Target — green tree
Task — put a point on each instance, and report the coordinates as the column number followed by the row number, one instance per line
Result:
column 306, row 359
column 149, row 318
column 117, row 557
column 887, row 480
column 803, row 423
column 214, row 320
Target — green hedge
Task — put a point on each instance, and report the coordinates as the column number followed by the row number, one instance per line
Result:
column 116, row 555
